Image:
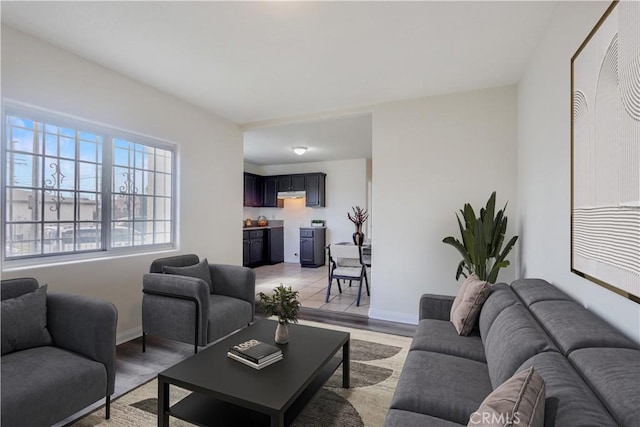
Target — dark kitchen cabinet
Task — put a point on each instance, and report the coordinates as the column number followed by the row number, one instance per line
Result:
column 256, row 251
column 253, row 247
column 262, row 191
column 315, row 189
column 275, row 245
column 270, row 193
column 291, row 183
column 246, row 245
column 252, row 190
column 312, row 246
column 264, row 246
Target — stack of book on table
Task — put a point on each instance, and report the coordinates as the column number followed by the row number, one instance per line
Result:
column 255, row 353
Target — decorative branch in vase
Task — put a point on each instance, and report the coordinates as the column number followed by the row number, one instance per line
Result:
column 358, row 218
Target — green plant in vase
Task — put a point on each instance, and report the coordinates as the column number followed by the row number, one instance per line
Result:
column 285, row 305
column 482, row 238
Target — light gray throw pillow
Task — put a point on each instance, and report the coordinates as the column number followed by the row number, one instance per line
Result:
column 24, row 321
column 519, row 401
column 199, row 271
column 467, row 304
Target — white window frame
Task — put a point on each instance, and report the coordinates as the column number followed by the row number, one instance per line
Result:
column 109, row 134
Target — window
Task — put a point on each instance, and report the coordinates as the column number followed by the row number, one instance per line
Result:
column 141, row 194
column 54, row 194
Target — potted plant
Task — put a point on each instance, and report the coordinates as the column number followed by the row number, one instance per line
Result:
column 284, row 304
column 358, row 218
column 482, row 238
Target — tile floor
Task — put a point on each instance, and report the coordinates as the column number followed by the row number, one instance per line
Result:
column 311, row 283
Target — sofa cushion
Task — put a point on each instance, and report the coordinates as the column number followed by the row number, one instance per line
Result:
column 531, row 291
column 440, row 336
column 464, row 314
column 518, row 400
column 199, row 271
column 572, row 326
column 614, row 376
column 24, row 321
column 229, row 314
column 50, row 383
column 500, row 297
column 568, row 400
column 441, row 385
column 513, row 338
column 400, row 418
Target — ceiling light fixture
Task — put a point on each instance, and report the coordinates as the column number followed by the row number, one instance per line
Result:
column 300, row 150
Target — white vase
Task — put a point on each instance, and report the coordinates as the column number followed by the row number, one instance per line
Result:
column 282, row 334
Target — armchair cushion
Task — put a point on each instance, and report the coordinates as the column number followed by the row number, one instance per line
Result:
column 199, row 271
column 24, row 321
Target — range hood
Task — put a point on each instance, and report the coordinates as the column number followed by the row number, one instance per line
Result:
column 291, row 194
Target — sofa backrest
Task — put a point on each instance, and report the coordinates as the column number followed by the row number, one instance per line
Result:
column 568, row 399
column 500, row 297
column 513, row 337
column 569, row 325
column 12, row 288
column 531, row 291
column 608, row 361
column 614, row 376
column 572, row 327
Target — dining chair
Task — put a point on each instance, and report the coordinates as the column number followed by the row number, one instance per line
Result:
column 345, row 262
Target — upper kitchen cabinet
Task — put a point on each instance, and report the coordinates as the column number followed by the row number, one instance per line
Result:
column 270, row 193
column 315, row 189
column 252, row 190
column 262, row 191
column 291, row 183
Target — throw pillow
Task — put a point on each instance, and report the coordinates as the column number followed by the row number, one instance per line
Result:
column 199, row 271
column 466, row 312
column 459, row 296
column 517, row 401
column 24, row 321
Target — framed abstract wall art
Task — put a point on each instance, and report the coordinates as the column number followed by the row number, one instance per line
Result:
column 605, row 152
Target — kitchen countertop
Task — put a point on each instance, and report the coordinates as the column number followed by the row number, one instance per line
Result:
column 261, row 228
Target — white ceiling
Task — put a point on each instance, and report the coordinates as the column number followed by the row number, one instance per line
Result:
column 255, row 61
column 338, row 138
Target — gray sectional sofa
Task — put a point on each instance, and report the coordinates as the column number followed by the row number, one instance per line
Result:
column 43, row 383
column 591, row 371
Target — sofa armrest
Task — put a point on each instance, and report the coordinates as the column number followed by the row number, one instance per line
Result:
column 234, row 281
column 86, row 326
column 436, row 307
column 169, row 285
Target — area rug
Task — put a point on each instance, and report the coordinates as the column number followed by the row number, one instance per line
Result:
column 376, row 362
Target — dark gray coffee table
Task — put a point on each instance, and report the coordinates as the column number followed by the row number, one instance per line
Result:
column 227, row 393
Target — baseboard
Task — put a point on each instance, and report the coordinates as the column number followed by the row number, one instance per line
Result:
column 128, row 335
column 393, row 316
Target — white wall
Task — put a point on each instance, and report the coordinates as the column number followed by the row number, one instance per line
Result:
column 431, row 156
column 209, row 153
column 544, row 166
column 345, row 185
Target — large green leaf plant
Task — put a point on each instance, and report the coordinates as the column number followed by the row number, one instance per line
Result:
column 482, row 238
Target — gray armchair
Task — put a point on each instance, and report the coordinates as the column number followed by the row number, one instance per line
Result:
column 72, row 366
column 190, row 310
